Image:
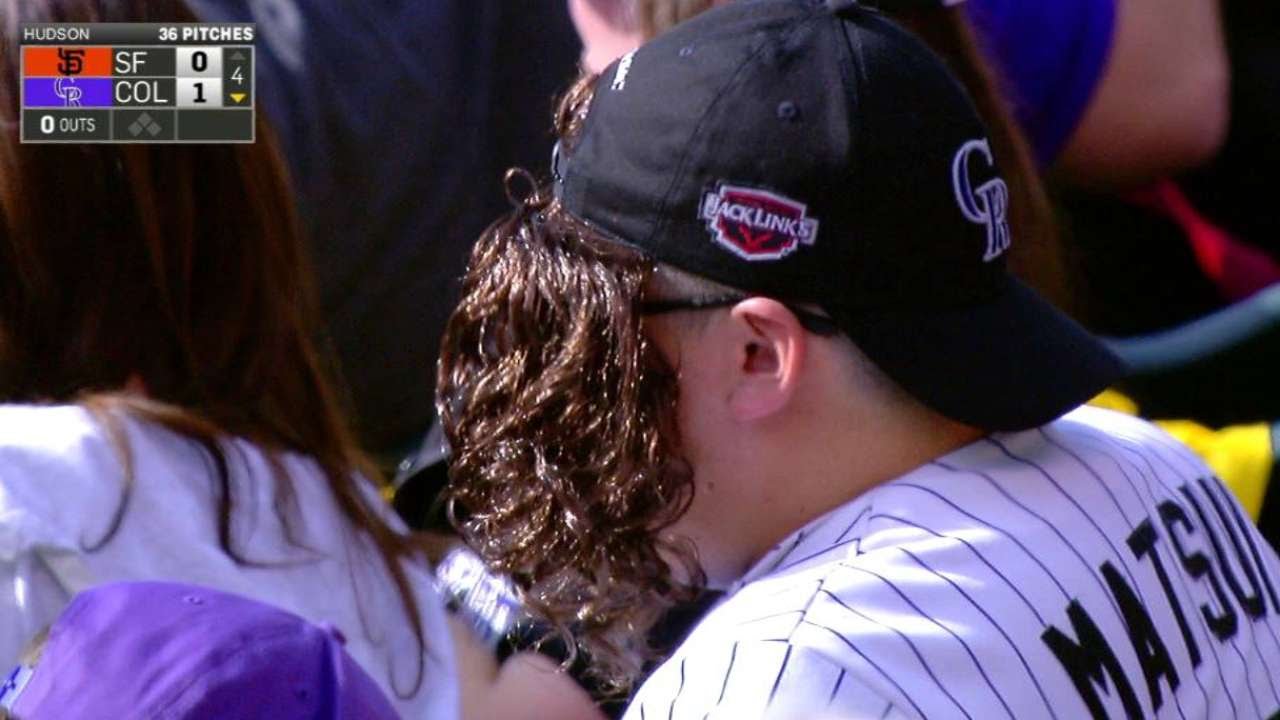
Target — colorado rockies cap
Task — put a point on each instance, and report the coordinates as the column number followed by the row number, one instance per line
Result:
column 818, row 153
column 166, row 650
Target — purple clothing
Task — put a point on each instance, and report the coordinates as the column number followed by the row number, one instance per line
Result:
column 1051, row 55
column 151, row 650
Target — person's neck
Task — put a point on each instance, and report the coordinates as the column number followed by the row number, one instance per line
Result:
column 830, row 470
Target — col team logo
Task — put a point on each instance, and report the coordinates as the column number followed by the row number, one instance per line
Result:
column 757, row 225
column 69, row 93
column 986, row 204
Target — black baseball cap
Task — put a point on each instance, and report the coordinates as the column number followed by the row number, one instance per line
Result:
column 817, row 152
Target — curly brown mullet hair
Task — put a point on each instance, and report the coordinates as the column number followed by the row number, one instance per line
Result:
column 561, row 417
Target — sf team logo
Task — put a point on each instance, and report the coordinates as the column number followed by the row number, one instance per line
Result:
column 756, row 225
column 70, row 62
column 987, row 204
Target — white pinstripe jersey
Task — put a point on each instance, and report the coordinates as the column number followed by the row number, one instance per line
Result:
column 1090, row 568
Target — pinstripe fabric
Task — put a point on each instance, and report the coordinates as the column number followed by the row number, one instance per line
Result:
column 1090, row 568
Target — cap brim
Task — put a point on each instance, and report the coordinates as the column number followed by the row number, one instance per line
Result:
column 1013, row 363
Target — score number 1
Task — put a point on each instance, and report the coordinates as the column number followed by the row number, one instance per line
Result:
column 200, row 63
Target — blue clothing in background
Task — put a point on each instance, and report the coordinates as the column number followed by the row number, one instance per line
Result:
column 1051, row 55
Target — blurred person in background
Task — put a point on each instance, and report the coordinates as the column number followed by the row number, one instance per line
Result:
column 1111, row 93
column 1078, row 74
column 168, row 410
column 396, row 119
column 1237, row 187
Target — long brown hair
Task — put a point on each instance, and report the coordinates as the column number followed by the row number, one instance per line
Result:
column 180, row 269
column 559, row 412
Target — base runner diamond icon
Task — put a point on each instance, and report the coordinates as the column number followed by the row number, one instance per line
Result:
column 145, row 123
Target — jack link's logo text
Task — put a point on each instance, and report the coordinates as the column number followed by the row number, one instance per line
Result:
column 756, row 225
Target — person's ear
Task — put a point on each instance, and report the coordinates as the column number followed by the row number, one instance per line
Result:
column 608, row 30
column 770, row 357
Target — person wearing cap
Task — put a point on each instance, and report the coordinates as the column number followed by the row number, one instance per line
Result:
column 758, row 333
column 1076, row 75
column 152, row 649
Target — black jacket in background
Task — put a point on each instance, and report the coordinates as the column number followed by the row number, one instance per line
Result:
column 398, row 118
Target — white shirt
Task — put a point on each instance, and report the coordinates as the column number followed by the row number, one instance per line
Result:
column 61, row 481
column 1013, row 578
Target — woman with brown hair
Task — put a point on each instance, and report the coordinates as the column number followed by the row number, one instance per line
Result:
column 168, row 410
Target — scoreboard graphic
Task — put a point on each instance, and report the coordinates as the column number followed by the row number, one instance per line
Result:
column 138, row 83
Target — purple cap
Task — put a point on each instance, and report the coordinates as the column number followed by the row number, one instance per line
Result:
column 162, row 650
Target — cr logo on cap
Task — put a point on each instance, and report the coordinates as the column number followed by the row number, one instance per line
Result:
column 756, row 224
column 988, row 204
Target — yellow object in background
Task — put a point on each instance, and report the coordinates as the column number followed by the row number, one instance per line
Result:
column 1241, row 454
column 1115, row 400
